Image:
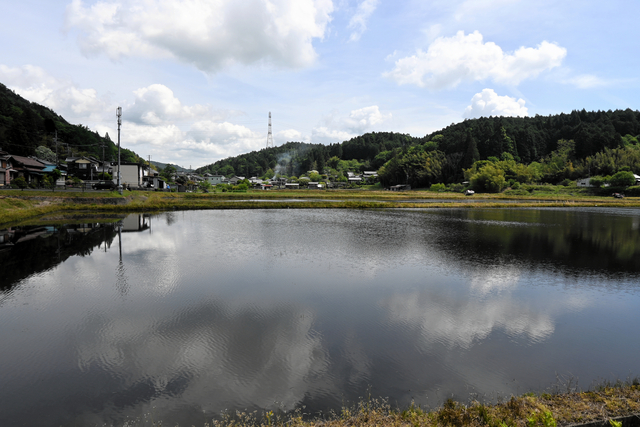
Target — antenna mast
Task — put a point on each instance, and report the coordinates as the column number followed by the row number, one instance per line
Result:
column 269, row 134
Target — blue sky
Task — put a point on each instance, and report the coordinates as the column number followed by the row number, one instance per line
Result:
column 196, row 79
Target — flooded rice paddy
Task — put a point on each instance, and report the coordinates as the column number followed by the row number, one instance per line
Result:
column 181, row 316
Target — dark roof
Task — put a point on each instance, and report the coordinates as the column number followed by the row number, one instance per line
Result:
column 26, row 161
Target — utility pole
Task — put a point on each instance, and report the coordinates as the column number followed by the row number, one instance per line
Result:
column 269, row 134
column 55, row 138
column 119, row 116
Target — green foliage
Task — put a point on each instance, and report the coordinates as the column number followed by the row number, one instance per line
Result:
column 544, row 419
column 415, row 167
column 315, row 177
column 623, row 179
column 19, row 182
column 168, row 173
column 205, row 186
column 49, row 181
column 223, row 187
column 45, row 153
column 437, row 187
column 489, row 179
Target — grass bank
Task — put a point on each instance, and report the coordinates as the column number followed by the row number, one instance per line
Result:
column 603, row 404
column 16, row 205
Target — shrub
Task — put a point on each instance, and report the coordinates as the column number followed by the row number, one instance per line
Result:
column 19, row 182
column 437, row 187
column 633, row 191
column 596, row 181
column 623, row 179
column 488, row 179
column 456, row 188
column 516, row 192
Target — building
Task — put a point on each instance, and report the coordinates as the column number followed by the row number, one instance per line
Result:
column 85, row 168
column 5, row 168
column 131, row 174
column 30, row 169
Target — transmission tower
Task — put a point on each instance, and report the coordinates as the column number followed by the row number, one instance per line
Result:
column 269, row 134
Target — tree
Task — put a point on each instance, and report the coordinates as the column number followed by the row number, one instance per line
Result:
column 472, row 155
column 204, row 186
column 623, row 179
column 168, row 173
column 45, row 153
column 489, row 179
column 19, row 182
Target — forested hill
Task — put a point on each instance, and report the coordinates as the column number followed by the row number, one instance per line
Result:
column 25, row 126
column 533, row 138
column 295, row 158
column 443, row 155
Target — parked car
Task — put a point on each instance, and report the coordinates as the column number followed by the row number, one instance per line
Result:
column 105, row 185
column 618, row 195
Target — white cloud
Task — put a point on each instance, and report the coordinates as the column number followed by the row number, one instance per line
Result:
column 156, row 104
column 358, row 21
column 450, row 61
column 488, row 103
column 210, row 34
column 438, row 319
column 288, row 135
column 471, row 8
column 587, row 81
column 323, row 134
column 337, row 129
column 157, row 123
column 62, row 96
column 202, row 143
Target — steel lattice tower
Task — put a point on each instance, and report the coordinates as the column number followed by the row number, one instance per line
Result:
column 269, row 134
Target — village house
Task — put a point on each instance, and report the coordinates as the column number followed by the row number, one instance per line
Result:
column 85, row 168
column 30, row 169
column 235, row 180
column 131, row 174
column 215, row 179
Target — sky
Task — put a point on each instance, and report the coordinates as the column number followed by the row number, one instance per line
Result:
column 197, row 79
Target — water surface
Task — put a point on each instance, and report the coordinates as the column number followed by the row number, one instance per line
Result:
column 184, row 315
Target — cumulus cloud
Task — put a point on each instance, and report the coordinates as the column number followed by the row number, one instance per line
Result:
column 489, row 103
column 209, row 34
column 203, row 142
column 450, row 61
column 359, row 20
column 62, row 96
column 336, row 128
column 157, row 104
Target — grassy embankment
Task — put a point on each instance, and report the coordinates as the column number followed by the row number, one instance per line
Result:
column 16, row 205
column 604, row 404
